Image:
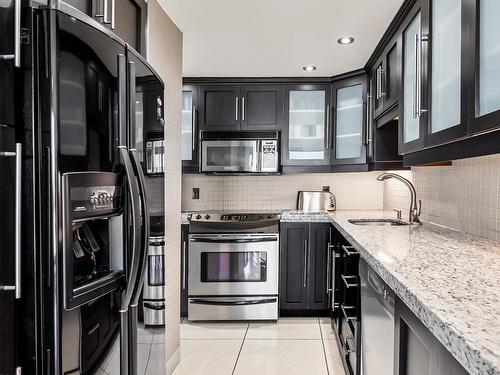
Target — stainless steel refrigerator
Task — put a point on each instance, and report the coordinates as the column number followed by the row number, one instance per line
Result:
column 77, row 107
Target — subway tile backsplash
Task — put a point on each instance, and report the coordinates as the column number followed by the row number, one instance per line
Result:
column 463, row 196
column 271, row 193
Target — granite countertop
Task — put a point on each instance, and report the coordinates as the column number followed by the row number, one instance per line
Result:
column 449, row 279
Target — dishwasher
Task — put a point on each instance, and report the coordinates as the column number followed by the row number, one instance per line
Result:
column 377, row 323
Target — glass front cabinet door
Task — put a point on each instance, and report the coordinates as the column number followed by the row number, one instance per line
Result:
column 349, row 121
column 484, row 106
column 189, row 129
column 306, row 134
column 410, row 118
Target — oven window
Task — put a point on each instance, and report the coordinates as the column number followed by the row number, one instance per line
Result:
column 230, row 156
column 156, row 270
column 234, row 266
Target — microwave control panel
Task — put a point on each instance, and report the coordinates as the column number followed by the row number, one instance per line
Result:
column 269, row 156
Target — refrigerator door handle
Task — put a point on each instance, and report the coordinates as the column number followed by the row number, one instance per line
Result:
column 145, row 224
column 18, row 199
column 136, row 227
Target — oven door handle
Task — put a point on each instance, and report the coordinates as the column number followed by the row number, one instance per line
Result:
column 233, row 240
column 199, row 301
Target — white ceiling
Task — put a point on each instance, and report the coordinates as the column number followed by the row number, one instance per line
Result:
column 276, row 38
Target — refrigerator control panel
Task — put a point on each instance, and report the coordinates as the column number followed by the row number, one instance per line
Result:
column 91, row 194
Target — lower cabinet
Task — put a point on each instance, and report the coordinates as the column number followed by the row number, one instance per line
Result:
column 184, row 269
column 418, row 351
column 303, row 266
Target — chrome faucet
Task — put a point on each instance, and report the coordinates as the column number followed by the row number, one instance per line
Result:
column 414, row 210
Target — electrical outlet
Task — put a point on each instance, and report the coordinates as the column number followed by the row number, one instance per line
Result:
column 196, row 193
column 326, row 188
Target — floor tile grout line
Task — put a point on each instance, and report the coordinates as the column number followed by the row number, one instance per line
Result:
column 324, row 349
column 241, row 347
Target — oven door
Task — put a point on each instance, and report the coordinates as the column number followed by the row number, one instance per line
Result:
column 230, row 156
column 233, row 264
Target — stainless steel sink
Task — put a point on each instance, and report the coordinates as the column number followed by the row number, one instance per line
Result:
column 377, row 222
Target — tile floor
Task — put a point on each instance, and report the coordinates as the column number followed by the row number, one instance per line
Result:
column 289, row 346
column 150, row 352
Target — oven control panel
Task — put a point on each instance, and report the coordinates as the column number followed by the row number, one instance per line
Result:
column 205, row 217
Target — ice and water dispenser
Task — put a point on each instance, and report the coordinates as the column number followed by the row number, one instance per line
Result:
column 93, row 236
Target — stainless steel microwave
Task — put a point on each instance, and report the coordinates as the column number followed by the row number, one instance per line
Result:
column 240, row 155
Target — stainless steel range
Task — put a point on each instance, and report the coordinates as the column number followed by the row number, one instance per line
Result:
column 233, row 266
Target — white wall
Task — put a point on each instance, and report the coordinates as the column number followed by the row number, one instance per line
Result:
column 165, row 55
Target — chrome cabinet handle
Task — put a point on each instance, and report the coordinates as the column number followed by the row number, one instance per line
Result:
column 242, row 108
column 236, row 108
column 383, row 82
column 328, row 268
column 113, row 12
column 348, row 318
column 17, row 33
column 16, row 56
column 349, row 250
column 347, row 284
column 423, row 38
column 415, row 80
column 193, row 127
column 305, row 263
column 327, row 127
column 184, row 273
column 368, row 119
column 18, row 199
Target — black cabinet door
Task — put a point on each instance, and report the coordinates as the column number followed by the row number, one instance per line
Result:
column 261, row 107
column 220, row 108
column 184, row 269
column 349, row 121
column 417, row 350
column 392, row 60
column 293, row 266
column 189, row 129
column 319, row 239
column 378, row 74
column 126, row 18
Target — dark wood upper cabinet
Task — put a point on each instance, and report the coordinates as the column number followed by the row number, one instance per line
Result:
column 306, row 132
column 219, row 108
column 483, row 76
column 126, row 18
column 189, row 129
column 386, row 76
column 349, row 121
column 261, row 107
column 445, row 53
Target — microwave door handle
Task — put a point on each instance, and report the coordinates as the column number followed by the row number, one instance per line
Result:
column 145, row 225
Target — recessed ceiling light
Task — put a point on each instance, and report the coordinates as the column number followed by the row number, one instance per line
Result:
column 309, row 68
column 345, row 40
